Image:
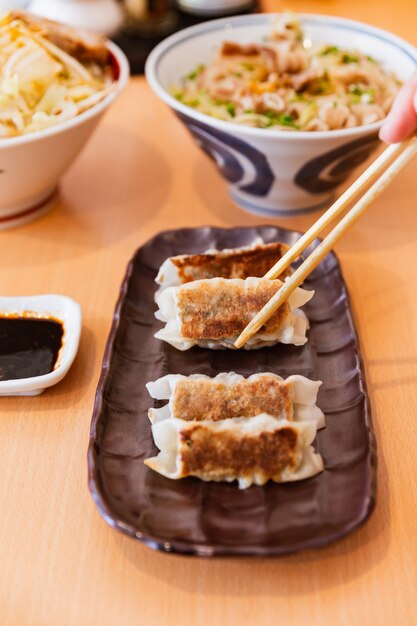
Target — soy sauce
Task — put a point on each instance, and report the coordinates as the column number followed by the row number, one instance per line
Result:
column 29, row 346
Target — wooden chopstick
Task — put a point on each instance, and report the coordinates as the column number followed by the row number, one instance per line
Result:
column 409, row 149
column 335, row 209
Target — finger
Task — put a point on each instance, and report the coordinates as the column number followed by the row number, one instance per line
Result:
column 402, row 118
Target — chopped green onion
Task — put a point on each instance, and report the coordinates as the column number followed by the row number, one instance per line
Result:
column 218, row 102
column 319, row 86
column 286, row 119
column 192, row 103
column 231, row 109
column 357, row 92
column 309, row 112
column 329, row 50
column 282, row 119
column 349, row 58
column 193, row 75
column 299, row 97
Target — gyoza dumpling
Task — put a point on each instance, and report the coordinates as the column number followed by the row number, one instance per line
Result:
column 212, row 313
column 228, row 395
column 254, row 260
column 250, row 450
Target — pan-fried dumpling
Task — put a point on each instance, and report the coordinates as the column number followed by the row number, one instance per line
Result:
column 229, row 395
column 250, row 450
column 212, row 313
column 254, row 260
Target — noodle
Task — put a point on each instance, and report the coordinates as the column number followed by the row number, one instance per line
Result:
column 41, row 84
column 287, row 83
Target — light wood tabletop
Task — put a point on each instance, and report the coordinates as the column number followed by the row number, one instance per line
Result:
column 60, row 563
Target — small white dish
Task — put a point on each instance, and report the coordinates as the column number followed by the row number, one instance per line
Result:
column 61, row 308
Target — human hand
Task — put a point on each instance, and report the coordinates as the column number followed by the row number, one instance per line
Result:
column 402, row 118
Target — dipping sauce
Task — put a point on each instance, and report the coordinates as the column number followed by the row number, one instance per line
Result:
column 29, row 346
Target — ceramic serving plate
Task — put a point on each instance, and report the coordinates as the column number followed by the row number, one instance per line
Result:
column 208, row 519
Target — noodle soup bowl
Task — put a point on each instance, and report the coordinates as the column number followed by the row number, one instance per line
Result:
column 32, row 164
column 276, row 172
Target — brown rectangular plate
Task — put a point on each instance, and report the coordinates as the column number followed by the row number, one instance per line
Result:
column 193, row 517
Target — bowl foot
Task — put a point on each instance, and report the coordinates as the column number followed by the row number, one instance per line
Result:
column 256, row 209
column 30, row 213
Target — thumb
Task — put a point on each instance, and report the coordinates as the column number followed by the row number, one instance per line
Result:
column 402, row 119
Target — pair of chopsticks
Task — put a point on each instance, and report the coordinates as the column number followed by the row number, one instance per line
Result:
column 400, row 154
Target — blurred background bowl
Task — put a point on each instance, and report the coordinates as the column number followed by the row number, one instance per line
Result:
column 273, row 172
column 31, row 165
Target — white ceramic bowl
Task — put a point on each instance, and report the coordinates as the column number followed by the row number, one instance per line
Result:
column 60, row 307
column 272, row 172
column 102, row 16
column 31, row 165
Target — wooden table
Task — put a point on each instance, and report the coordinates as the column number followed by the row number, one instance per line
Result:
column 60, row 564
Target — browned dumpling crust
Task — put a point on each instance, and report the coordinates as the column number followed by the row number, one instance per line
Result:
column 240, row 263
column 201, row 399
column 267, row 454
column 212, row 312
column 223, row 309
column 251, row 450
column 228, row 395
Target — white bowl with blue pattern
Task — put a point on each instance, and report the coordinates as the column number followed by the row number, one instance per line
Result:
column 275, row 172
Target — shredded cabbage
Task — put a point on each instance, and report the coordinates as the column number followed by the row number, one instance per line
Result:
column 40, row 84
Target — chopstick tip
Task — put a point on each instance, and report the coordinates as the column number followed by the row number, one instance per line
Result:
column 239, row 343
